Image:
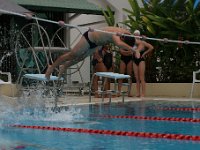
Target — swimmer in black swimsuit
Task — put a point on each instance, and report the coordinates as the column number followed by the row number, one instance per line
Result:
column 126, row 66
column 126, row 59
column 87, row 44
column 102, row 62
column 106, row 55
column 139, row 65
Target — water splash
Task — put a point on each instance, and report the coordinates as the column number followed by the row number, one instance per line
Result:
column 5, row 56
column 31, row 109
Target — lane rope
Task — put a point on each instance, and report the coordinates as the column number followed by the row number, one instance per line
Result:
column 114, row 132
column 178, row 109
column 154, row 118
column 62, row 23
column 197, row 109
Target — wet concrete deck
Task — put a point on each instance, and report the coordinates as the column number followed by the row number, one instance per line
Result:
column 84, row 100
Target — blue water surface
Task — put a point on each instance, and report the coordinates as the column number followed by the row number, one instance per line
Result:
column 89, row 116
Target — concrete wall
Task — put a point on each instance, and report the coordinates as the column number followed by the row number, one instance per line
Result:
column 11, row 90
column 169, row 90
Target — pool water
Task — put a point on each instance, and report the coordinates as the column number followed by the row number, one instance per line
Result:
column 94, row 117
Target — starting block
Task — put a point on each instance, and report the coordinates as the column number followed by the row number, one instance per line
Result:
column 111, row 75
column 55, row 86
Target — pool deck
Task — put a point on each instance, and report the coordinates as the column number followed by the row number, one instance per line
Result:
column 67, row 100
column 84, row 100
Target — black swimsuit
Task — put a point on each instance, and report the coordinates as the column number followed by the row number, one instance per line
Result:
column 138, row 60
column 126, row 59
column 92, row 44
column 107, row 58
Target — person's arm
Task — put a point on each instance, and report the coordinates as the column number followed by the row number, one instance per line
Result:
column 138, row 48
column 125, row 52
column 97, row 56
column 149, row 48
column 118, row 42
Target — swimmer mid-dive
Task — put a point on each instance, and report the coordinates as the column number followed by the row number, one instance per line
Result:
column 88, row 43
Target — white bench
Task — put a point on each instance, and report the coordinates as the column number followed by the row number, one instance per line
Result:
column 195, row 80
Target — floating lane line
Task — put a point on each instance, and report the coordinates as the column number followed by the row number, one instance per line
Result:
column 114, row 132
column 178, row 109
column 193, row 120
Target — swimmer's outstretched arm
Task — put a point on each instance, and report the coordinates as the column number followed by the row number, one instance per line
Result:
column 118, row 42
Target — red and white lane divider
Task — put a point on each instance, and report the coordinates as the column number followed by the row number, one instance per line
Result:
column 197, row 109
column 194, row 120
column 178, row 109
column 115, row 132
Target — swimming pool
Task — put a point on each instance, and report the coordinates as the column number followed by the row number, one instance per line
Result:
column 144, row 125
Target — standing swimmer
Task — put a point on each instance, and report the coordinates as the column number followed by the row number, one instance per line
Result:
column 139, row 64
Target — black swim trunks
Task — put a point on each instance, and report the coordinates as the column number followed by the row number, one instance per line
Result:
column 108, row 60
column 94, row 62
column 126, row 59
column 92, row 44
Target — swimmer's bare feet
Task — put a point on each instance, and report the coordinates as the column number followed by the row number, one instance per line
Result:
column 48, row 72
column 130, row 95
column 97, row 96
column 137, row 96
column 142, row 96
column 61, row 70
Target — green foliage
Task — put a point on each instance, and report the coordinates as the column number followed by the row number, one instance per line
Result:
column 178, row 20
column 109, row 16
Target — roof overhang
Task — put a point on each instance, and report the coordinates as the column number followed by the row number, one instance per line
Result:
column 12, row 6
column 66, row 6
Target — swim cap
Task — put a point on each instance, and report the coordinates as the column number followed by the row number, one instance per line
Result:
column 137, row 32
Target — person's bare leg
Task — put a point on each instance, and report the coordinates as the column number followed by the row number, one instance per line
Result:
column 136, row 74
column 130, row 73
column 142, row 77
column 49, row 72
column 98, row 68
column 58, row 61
column 61, row 70
column 107, row 86
column 63, row 67
column 95, row 86
column 109, row 70
column 122, row 68
column 75, row 53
